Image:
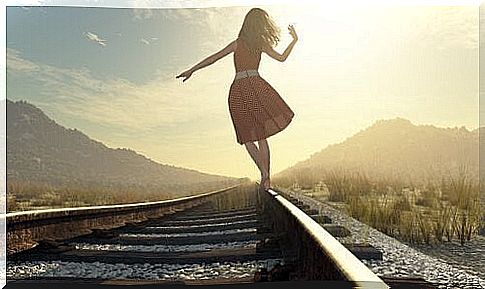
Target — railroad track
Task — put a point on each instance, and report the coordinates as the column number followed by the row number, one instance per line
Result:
column 236, row 235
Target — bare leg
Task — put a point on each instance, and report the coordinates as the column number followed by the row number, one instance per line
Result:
column 265, row 156
column 256, row 156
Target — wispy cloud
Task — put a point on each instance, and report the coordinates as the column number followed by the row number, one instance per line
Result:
column 117, row 102
column 149, row 40
column 95, row 38
column 17, row 64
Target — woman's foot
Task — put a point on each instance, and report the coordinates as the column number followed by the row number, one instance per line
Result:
column 266, row 183
column 262, row 183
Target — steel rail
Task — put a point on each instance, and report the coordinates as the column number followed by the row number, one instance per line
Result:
column 350, row 267
column 25, row 229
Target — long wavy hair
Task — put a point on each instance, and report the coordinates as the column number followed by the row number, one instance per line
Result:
column 258, row 30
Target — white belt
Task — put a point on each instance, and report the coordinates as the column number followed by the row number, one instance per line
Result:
column 246, row 73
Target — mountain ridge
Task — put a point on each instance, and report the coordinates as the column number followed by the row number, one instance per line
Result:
column 397, row 147
column 41, row 150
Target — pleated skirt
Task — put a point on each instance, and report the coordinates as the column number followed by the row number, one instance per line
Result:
column 257, row 110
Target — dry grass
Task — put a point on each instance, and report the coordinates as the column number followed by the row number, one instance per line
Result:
column 23, row 196
column 430, row 213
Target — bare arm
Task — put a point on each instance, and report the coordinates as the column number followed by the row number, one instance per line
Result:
column 282, row 57
column 209, row 60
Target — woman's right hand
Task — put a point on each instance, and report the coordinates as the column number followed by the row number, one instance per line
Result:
column 186, row 75
column 292, row 32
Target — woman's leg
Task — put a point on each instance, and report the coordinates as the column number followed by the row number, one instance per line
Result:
column 256, row 156
column 265, row 156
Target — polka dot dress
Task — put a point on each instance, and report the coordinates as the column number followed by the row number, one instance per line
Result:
column 257, row 110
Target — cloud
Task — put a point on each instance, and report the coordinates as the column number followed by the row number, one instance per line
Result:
column 17, row 64
column 149, row 40
column 95, row 38
column 116, row 103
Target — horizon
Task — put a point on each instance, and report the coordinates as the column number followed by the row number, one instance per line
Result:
column 66, row 61
column 252, row 178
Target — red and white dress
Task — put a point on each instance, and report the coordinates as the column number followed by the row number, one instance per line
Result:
column 257, row 110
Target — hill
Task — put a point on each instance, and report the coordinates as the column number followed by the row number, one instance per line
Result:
column 397, row 148
column 39, row 150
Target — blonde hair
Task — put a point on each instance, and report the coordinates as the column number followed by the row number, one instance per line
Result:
column 259, row 30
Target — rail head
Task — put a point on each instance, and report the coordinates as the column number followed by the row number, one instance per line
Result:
column 346, row 262
column 26, row 216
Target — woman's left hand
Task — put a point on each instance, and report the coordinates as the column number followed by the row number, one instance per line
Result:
column 186, row 75
column 292, row 32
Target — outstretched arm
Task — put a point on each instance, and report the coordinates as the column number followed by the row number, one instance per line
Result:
column 209, row 60
column 282, row 57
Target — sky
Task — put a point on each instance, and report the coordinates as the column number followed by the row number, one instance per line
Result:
column 110, row 73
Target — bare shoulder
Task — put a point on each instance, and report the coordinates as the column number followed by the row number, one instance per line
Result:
column 231, row 46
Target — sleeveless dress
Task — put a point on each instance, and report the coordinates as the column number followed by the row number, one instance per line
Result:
column 257, row 110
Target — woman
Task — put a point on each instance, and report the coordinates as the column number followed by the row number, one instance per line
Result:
column 257, row 110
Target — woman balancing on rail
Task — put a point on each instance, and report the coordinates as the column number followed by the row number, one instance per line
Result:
column 257, row 110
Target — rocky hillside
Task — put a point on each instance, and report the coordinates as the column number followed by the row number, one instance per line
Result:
column 398, row 148
column 41, row 150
